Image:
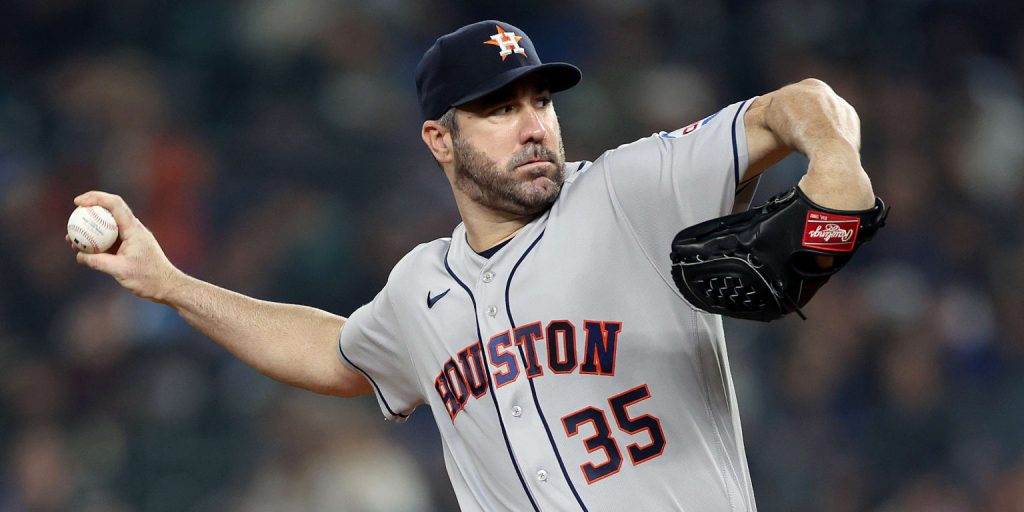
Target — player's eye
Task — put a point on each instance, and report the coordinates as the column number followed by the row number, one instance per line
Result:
column 544, row 101
column 502, row 110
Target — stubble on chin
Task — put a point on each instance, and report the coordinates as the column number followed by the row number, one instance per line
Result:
column 481, row 179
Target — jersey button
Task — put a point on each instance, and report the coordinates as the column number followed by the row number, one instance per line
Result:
column 517, row 411
column 488, row 276
column 492, row 311
column 542, row 475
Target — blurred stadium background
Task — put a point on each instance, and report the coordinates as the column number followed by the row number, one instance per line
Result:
column 272, row 146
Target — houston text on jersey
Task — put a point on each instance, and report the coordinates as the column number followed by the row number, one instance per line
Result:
column 464, row 376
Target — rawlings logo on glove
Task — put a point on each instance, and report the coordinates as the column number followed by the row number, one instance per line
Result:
column 821, row 229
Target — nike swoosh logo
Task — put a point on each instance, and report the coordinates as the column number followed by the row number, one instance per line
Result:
column 433, row 300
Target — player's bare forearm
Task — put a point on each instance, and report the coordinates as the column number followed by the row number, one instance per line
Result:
column 290, row 343
column 811, row 118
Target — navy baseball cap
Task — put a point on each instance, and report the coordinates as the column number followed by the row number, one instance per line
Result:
column 479, row 59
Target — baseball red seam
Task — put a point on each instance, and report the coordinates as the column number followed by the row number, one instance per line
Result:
column 86, row 235
column 97, row 218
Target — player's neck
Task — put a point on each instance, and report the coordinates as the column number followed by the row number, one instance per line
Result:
column 486, row 228
column 486, row 241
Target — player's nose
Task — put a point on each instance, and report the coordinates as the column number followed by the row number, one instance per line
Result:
column 531, row 126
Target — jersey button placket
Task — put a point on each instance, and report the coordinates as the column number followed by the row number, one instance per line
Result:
column 487, row 277
column 522, row 428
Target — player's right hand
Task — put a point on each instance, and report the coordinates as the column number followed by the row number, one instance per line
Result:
column 139, row 264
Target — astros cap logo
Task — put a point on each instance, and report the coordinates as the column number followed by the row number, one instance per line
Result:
column 508, row 42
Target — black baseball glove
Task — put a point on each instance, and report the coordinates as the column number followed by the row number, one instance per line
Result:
column 770, row 260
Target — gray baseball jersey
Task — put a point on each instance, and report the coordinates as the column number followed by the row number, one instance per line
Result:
column 565, row 372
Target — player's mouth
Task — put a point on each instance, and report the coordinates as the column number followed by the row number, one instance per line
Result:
column 536, row 167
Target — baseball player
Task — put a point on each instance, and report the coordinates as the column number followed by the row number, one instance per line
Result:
column 563, row 368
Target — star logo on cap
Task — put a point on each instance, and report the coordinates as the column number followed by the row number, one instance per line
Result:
column 508, row 42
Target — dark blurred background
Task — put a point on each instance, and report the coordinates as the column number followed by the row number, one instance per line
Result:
column 272, row 146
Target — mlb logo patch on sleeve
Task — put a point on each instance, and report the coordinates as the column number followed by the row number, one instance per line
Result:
column 830, row 232
column 688, row 129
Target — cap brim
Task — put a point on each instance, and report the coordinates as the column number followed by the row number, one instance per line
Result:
column 558, row 76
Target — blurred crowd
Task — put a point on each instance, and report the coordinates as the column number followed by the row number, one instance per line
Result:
column 272, row 146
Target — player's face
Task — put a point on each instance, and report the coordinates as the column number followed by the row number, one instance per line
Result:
column 508, row 150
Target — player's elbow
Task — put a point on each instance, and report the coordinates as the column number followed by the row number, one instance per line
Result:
column 815, row 84
column 823, row 100
column 813, row 89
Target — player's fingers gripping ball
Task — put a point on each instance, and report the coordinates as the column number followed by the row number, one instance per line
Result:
column 92, row 229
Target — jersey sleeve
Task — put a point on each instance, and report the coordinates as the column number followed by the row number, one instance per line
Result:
column 671, row 180
column 372, row 344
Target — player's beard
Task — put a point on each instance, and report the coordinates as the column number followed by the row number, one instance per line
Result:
column 501, row 189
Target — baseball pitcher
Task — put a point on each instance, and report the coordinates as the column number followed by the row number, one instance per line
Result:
column 568, row 344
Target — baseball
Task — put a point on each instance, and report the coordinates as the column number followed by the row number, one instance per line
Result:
column 92, row 229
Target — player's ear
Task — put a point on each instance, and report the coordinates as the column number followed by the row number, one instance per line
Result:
column 438, row 140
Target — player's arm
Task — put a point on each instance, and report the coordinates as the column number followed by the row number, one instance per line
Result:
column 811, row 118
column 294, row 344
